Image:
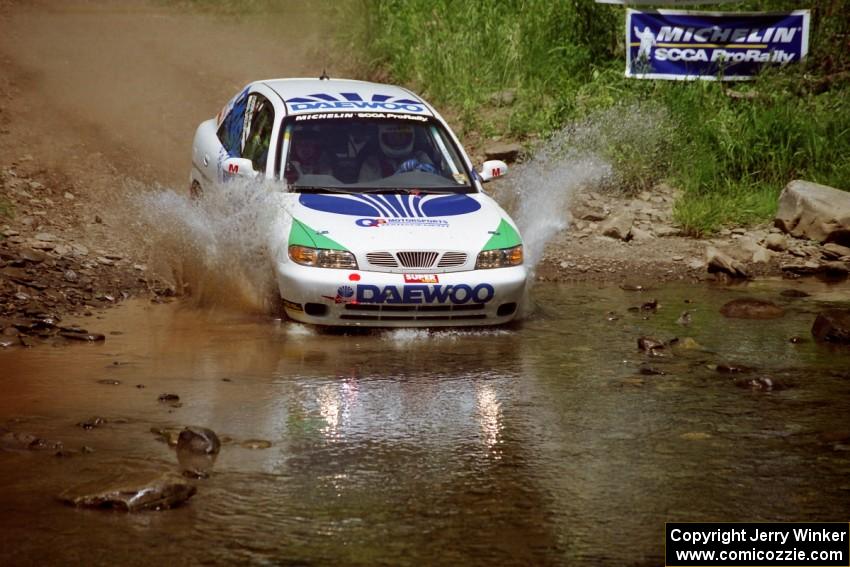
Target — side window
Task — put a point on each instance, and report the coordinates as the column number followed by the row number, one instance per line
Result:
column 231, row 129
column 259, row 119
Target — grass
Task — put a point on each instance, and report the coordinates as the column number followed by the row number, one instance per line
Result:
column 564, row 60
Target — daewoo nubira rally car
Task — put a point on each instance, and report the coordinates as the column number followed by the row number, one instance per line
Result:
column 383, row 218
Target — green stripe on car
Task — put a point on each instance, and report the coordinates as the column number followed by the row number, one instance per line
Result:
column 505, row 236
column 303, row 235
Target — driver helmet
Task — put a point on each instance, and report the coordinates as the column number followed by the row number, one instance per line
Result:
column 396, row 139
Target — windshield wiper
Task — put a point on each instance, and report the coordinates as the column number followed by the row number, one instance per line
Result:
column 319, row 189
column 413, row 191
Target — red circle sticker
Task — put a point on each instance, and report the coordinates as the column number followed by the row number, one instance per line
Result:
column 354, row 277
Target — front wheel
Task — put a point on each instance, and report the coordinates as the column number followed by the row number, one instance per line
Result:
column 195, row 191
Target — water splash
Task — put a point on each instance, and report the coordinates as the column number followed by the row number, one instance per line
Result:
column 619, row 149
column 217, row 248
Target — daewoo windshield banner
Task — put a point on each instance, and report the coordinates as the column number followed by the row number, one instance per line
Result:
column 677, row 44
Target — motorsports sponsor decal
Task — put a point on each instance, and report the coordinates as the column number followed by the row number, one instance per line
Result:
column 403, row 222
column 455, row 294
column 354, row 102
column 677, row 44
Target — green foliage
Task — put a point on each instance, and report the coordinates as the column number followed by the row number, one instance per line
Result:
column 564, row 59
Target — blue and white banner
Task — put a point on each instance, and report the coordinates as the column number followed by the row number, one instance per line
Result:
column 682, row 45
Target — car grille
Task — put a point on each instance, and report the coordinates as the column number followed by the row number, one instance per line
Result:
column 452, row 259
column 417, row 259
column 381, row 259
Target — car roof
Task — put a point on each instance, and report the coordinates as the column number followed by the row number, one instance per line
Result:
column 318, row 95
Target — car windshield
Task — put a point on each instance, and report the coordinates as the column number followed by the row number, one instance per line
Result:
column 348, row 153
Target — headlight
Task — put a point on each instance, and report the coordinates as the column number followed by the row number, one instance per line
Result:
column 501, row 258
column 322, row 258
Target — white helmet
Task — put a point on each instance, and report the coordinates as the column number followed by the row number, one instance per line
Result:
column 396, row 139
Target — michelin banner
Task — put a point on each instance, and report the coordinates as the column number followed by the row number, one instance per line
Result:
column 683, row 45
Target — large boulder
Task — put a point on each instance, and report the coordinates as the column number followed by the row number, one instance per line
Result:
column 817, row 212
column 832, row 326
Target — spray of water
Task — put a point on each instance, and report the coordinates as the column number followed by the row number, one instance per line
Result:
column 610, row 150
column 217, row 249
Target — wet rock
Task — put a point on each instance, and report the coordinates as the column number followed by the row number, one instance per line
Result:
column 91, row 423
column 650, row 371
column 618, row 226
column 814, row 211
column 793, row 293
column 15, row 440
column 109, row 382
column 255, row 444
column 132, row 493
column 832, row 326
column 650, row 305
column 649, row 344
column 197, row 449
column 198, row 440
column 751, row 308
column 761, row 384
column 720, row 262
column 86, row 337
column 797, row 340
column 503, row 151
column 634, row 287
column 167, row 398
column 685, row 318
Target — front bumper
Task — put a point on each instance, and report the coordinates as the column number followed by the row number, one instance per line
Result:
column 324, row 296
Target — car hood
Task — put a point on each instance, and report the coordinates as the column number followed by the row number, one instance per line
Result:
column 363, row 223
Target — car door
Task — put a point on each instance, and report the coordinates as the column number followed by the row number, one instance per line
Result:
column 257, row 132
column 218, row 139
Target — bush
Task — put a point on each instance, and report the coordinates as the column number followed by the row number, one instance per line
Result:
column 565, row 61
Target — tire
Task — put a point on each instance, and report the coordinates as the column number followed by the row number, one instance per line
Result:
column 195, row 191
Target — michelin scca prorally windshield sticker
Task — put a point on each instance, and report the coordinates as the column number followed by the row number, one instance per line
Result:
column 391, row 206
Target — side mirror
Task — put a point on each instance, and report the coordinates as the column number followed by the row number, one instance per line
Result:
column 492, row 169
column 237, row 166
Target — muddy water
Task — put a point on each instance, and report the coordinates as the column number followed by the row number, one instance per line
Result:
column 540, row 444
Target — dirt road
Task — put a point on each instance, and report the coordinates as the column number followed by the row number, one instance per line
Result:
column 104, row 84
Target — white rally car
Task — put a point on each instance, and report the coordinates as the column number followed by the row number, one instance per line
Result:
column 383, row 219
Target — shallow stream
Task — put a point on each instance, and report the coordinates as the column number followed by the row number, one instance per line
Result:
column 538, row 444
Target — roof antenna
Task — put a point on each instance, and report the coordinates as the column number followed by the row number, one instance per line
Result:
column 324, row 75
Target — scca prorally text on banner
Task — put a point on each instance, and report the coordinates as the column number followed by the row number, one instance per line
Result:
column 682, row 45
